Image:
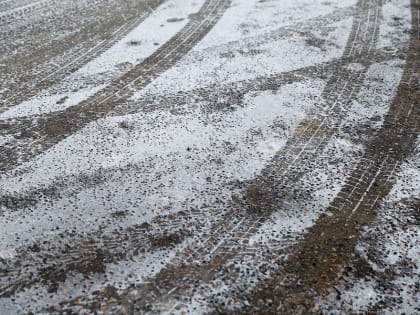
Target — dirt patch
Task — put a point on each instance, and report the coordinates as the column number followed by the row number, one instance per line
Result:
column 166, row 240
column 52, row 278
column 119, row 214
column 259, row 199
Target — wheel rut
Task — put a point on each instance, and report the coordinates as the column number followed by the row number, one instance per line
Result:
column 243, row 219
column 214, row 98
column 113, row 31
column 83, row 251
column 15, row 10
column 51, row 129
column 163, row 59
column 317, row 261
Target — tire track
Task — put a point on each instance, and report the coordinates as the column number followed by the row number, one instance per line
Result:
column 329, row 245
column 51, row 129
column 165, row 57
column 265, row 193
column 215, row 98
column 50, row 264
column 287, row 167
column 221, row 97
column 17, row 10
column 33, row 88
column 76, row 60
column 302, row 27
column 83, row 252
column 249, row 232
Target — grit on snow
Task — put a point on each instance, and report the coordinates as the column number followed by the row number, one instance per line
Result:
column 209, row 157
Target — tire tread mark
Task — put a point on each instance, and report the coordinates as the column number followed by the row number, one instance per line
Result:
column 52, row 128
column 52, row 75
column 15, row 12
column 138, row 237
column 287, row 166
column 328, row 246
column 178, row 46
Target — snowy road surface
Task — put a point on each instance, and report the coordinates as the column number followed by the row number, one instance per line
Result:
column 209, row 157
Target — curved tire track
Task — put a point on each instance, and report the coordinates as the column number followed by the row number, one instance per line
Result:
column 287, row 167
column 51, row 75
column 217, row 97
column 83, row 251
column 232, row 216
column 160, row 61
column 15, row 10
column 52, row 128
column 329, row 245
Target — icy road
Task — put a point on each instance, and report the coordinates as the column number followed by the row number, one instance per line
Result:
column 209, row 157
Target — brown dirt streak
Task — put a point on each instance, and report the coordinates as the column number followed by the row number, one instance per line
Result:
column 238, row 222
column 55, row 127
column 233, row 93
column 111, row 245
column 226, row 95
column 75, row 60
column 52, row 263
column 207, row 11
column 328, row 246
